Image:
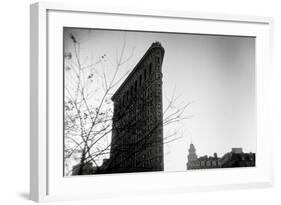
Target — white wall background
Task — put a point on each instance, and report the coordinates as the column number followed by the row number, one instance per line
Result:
column 14, row 102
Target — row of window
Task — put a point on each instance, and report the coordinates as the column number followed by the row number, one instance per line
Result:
column 138, row 83
column 205, row 163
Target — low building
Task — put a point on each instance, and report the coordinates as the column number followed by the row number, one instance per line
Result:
column 235, row 158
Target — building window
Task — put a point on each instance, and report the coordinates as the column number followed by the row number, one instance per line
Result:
column 145, row 73
column 124, row 99
column 136, row 86
column 132, row 91
column 157, row 59
column 127, row 96
column 140, row 80
column 150, row 68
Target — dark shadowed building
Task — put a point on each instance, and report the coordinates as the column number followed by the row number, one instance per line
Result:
column 235, row 158
column 86, row 169
column 137, row 127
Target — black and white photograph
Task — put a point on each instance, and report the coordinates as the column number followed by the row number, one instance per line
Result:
column 147, row 101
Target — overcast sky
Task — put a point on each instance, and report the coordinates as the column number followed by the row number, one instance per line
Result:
column 215, row 73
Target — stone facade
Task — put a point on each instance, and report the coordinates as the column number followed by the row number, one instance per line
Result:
column 137, row 134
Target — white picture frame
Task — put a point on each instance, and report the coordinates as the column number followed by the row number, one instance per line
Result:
column 46, row 179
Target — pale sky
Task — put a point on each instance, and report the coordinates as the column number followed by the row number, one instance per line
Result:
column 215, row 73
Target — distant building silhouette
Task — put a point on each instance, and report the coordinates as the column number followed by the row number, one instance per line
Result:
column 205, row 162
column 137, row 127
column 191, row 157
column 86, row 169
column 235, row 158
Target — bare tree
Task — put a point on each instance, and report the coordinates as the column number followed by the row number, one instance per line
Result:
column 88, row 109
